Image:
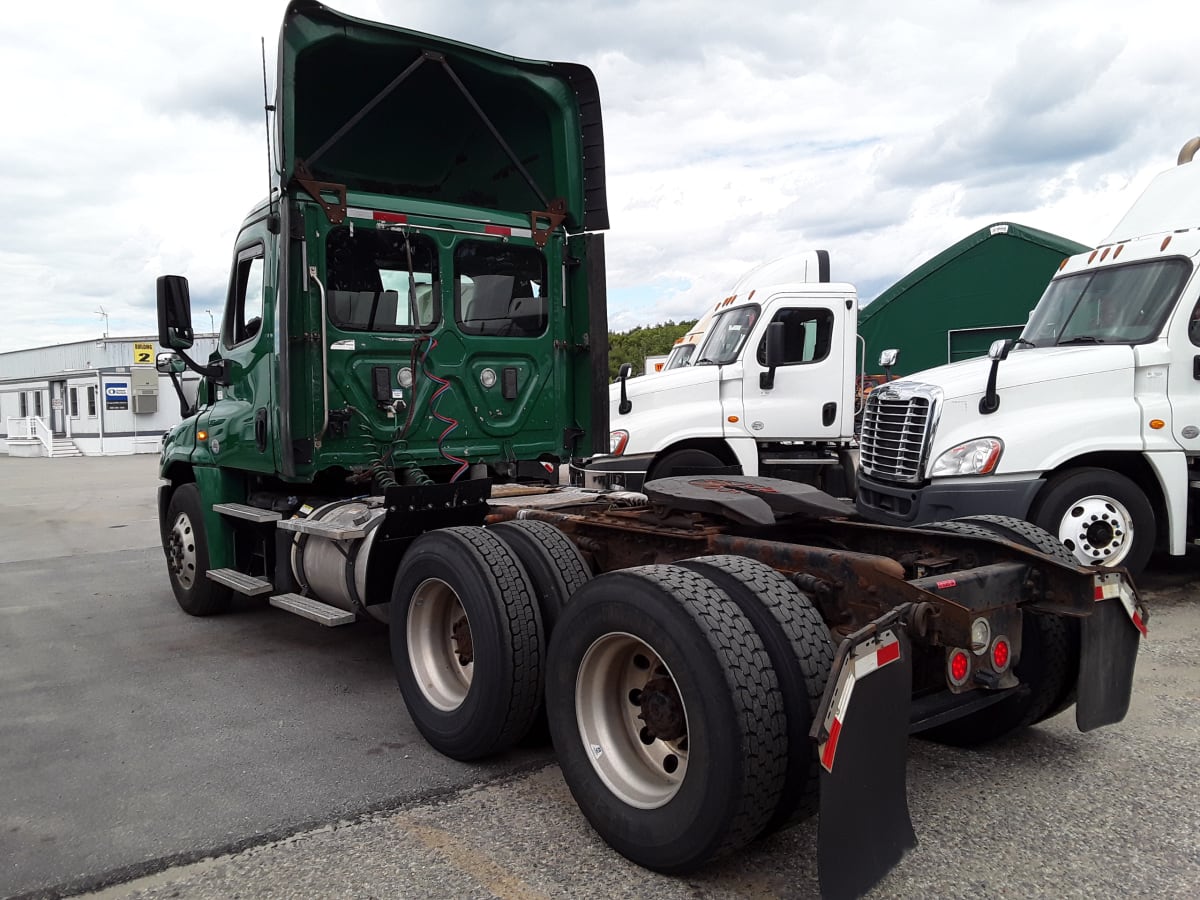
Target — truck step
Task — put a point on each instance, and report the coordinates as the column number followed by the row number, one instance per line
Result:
column 249, row 513
column 321, row 613
column 243, row 584
column 323, row 529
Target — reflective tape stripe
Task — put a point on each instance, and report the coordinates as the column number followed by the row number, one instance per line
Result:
column 1110, row 587
column 868, row 657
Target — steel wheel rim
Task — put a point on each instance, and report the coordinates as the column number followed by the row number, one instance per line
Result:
column 1097, row 529
column 182, row 551
column 643, row 773
column 443, row 664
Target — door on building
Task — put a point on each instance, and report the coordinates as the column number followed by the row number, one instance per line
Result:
column 58, row 408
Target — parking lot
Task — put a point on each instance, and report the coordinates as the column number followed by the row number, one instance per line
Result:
column 149, row 754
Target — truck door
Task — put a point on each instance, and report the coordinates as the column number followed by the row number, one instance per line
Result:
column 1183, row 380
column 808, row 399
column 239, row 423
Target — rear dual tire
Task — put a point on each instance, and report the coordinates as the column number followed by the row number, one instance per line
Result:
column 666, row 716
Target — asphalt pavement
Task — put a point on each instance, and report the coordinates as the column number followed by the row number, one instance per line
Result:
column 147, row 754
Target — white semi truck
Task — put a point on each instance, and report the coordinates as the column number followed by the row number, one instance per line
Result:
column 770, row 390
column 1090, row 426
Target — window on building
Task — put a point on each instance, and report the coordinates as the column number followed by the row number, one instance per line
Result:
column 24, row 404
column 73, row 400
column 37, row 403
column 92, row 400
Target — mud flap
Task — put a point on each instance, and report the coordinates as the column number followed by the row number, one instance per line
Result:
column 865, row 827
column 1108, row 650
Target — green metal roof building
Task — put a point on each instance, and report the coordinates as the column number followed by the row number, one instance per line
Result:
column 972, row 293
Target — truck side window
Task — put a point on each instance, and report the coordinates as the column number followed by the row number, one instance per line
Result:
column 244, row 319
column 499, row 289
column 807, row 334
column 1194, row 325
column 371, row 285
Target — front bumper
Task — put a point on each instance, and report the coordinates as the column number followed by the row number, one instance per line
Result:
column 894, row 504
column 618, row 473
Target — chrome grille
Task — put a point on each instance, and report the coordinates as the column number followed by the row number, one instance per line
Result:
column 895, row 430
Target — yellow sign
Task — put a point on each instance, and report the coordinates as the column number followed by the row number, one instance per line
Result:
column 143, row 354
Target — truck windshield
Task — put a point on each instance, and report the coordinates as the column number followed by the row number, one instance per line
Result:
column 726, row 336
column 1118, row 305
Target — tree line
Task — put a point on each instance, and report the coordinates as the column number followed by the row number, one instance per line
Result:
column 635, row 345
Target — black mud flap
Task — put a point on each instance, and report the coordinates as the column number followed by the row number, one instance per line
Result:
column 865, row 827
column 1108, row 651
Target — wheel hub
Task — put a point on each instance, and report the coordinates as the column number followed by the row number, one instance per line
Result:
column 1097, row 530
column 181, row 551
column 662, row 710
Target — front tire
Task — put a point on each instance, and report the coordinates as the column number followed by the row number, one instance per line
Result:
column 666, row 717
column 467, row 642
column 185, row 542
column 1101, row 516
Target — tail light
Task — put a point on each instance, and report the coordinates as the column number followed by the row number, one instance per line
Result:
column 958, row 667
column 1001, row 654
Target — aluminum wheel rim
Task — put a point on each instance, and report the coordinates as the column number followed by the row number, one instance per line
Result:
column 182, row 548
column 1098, row 530
column 433, row 650
column 643, row 773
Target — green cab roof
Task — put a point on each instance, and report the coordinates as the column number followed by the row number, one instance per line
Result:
column 385, row 110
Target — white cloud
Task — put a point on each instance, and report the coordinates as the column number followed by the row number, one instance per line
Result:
column 735, row 133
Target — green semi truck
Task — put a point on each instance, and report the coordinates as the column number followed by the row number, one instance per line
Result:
column 414, row 341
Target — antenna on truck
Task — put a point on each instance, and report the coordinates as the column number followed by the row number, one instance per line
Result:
column 268, row 108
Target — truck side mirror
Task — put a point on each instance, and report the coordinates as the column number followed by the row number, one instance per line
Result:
column 999, row 350
column 774, row 355
column 888, row 358
column 174, row 313
column 167, row 363
column 623, row 373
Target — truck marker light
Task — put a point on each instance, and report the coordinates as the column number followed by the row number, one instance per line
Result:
column 1104, row 255
column 946, row 583
column 617, row 441
column 487, row 378
column 1117, row 252
column 733, row 419
column 866, row 658
column 1110, row 586
column 1062, row 265
column 202, row 435
column 1000, row 654
column 1092, row 256
column 1166, row 241
column 958, row 667
column 1157, row 424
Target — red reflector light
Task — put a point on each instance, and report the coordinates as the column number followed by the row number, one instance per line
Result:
column 1000, row 654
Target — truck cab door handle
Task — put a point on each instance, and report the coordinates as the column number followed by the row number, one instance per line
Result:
column 828, row 414
column 260, row 429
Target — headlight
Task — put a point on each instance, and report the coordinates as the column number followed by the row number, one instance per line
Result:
column 617, row 441
column 977, row 457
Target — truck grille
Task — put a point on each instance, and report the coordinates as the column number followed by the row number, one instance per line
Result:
column 895, row 431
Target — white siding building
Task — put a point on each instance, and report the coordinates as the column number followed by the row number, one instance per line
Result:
column 95, row 398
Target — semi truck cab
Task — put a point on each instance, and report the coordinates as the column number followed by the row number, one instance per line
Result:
column 1088, row 424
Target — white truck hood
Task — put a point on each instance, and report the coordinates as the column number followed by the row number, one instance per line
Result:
column 1054, row 403
column 1025, row 368
column 672, row 405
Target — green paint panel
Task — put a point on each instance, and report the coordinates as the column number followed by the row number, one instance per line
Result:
column 953, row 306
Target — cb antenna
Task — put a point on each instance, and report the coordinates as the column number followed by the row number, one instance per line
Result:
column 268, row 108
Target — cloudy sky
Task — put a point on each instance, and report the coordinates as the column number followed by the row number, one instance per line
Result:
column 133, row 138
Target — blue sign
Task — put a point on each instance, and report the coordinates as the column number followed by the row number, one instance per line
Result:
column 116, row 395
